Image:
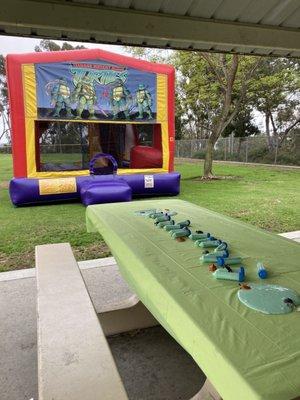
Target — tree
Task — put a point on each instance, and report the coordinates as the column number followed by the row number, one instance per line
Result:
column 215, row 87
column 241, row 127
column 50, row 45
column 276, row 94
column 4, row 110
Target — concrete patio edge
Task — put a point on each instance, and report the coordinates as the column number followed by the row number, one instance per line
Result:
column 30, row 272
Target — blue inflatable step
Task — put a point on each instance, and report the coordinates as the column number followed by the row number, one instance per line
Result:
column 108, row 191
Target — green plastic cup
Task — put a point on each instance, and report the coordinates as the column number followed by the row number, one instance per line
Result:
column 162, row 218
column 199, row 241
column 210, row 243
column 197, row 236
column 182, row 224
column 213, row 257
column 171, row 228
column 208, row 258
column 222, row 273
column 155, row 215
column 181, row 233
column 164, row 223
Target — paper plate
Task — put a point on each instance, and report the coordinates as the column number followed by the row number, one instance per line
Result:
column 269, row 299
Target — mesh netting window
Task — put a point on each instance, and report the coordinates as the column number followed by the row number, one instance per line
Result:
column 63, row 146
column 69, row 146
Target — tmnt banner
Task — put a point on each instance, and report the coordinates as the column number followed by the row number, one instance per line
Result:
column 95, row 90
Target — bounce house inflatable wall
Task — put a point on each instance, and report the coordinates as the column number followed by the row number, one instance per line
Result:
column 90, row 124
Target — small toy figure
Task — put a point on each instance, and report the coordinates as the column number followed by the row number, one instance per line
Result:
column 180, row 239
column 60, row 98
column 289, row 302
column 85, row 95
column 144, row 102
column 212, row 268
column 244, row 286
column 120, row 98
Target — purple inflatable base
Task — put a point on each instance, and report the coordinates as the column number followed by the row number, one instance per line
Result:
column 25, row 191
column 106, row 192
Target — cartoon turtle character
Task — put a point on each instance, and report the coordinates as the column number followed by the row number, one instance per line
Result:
column 120, row 98
column 60, row 98
column 144, row 102
column 85, row 95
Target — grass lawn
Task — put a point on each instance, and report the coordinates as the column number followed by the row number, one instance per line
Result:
column 263, row 196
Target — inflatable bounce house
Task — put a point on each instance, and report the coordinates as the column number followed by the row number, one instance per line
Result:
column 90, row 125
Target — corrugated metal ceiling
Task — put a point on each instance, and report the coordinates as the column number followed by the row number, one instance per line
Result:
column 258, row 25
column 284, row 13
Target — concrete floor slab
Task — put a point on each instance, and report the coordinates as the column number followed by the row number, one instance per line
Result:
column 152, row 365
column 18, row 333
column 107, row 288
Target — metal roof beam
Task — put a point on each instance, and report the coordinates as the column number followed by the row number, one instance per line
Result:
column 118, row 26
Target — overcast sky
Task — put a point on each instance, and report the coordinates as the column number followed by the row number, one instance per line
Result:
column 12, row 44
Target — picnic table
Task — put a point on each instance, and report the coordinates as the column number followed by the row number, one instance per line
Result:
column 245, row 354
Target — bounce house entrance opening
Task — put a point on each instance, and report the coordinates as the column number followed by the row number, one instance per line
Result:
column 70, row 146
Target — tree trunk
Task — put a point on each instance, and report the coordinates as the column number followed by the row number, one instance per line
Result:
column 208, row 159
column 239, row 146
column 269, row 140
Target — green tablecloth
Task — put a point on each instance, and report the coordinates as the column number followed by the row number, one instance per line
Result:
column 245, row 354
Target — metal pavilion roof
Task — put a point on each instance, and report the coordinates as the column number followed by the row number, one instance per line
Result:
column 268, row 27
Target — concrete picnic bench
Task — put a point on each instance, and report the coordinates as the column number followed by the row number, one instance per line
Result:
column 74, row 359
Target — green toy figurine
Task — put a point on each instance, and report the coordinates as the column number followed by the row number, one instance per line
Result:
column 144, row 102
column 85, row 95
column 60, row 98
column 119, row 99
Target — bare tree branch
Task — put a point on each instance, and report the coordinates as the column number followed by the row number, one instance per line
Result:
column 288, row 129
column 214, row 69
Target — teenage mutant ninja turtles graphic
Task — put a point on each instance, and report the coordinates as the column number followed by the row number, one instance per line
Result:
column 120, row 99
column 85, row 95
column 144, row 102
column 60, row 98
